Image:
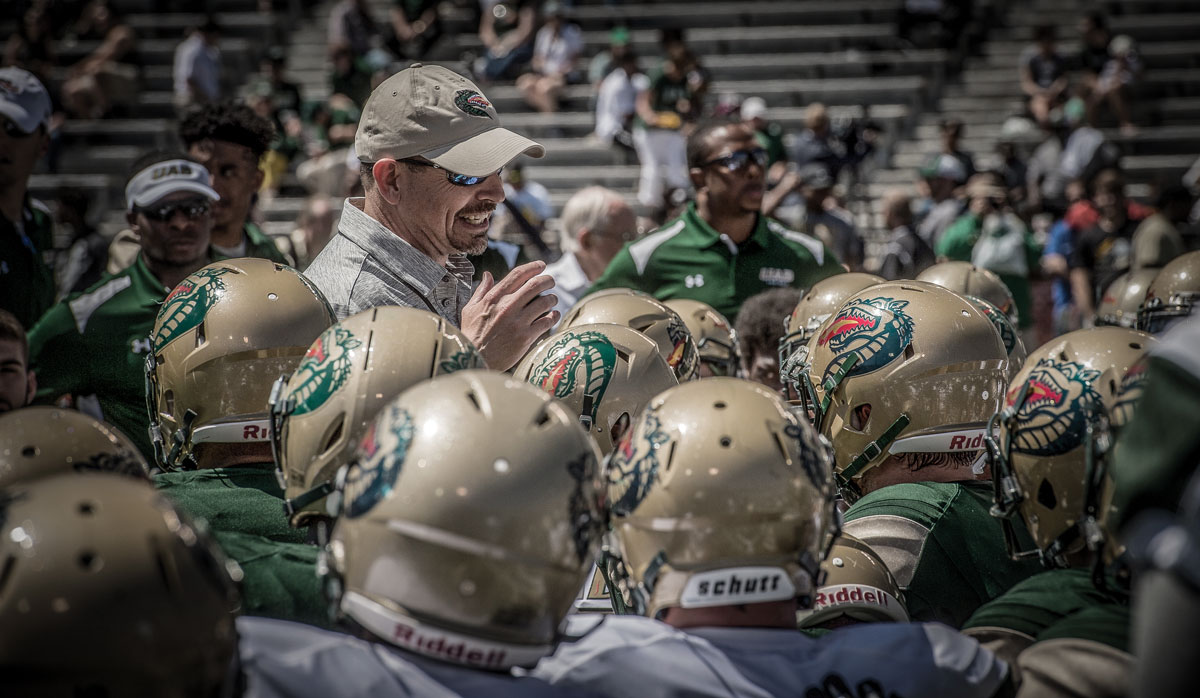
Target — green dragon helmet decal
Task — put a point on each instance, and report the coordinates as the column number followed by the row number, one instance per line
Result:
column 1133, row 384
column 380, row 456
column 186, row 306
column 577, row 359
column 683, row 354
column 463, row 360
column 473, row 103
column 633, row 467
column 324, row 369
column 1052, row 419
column 999, row 320
column 876, row 331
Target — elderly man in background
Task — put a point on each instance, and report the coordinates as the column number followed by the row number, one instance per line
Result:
column 431, row 149
column 596, row 222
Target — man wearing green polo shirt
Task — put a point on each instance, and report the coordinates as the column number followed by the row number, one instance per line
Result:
column 89, row 349
column 721, row 250
column 228, row 139
column 26, row 227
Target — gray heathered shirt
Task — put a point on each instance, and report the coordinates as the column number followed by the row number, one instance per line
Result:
column 366, row 265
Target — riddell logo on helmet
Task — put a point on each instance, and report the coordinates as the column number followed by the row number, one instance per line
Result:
column 965, row 442
column 737, row 586
column 851, row 593
column 443, row 647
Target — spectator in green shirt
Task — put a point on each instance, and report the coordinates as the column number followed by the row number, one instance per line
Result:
column 768, row 133
column 991, row 236
column 721, row 250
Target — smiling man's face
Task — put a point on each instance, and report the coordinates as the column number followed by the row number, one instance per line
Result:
column 456, row 218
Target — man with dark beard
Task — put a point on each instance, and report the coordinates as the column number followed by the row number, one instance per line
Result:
column 431, row 149
column 89, row 350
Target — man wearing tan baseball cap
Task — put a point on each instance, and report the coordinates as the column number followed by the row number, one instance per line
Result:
column 431, row 148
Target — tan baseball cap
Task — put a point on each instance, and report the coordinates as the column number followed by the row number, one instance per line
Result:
column 435, row 113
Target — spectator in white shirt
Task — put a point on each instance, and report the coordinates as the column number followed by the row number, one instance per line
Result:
column 616, row 102
column 556, row 50
column 525, row 196
column 596, row 223
column 198, row 67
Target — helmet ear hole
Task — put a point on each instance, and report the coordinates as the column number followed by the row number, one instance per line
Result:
column 201, row 337
column 1045, row 495
column 619, row 427
column 859, row 416
column 335, row 436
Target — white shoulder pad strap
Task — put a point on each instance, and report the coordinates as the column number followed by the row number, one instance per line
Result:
column 897, row 540
column 642, row 250
column 83, row 306
column 814, row 245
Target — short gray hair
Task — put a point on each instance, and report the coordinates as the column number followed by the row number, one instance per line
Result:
column 587, row 209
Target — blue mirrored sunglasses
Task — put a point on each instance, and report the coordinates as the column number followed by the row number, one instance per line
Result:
column 452, row 177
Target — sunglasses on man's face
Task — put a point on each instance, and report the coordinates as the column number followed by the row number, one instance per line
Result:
column 453, row 177
column 739, row 160
column 192, row 208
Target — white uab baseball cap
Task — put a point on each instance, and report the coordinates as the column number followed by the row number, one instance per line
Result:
column 168, row 177
column 24, row 99
column 432, row 112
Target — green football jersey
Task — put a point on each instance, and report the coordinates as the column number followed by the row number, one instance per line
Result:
column 242, row 499
column 687, row 258
column 1106, row 623
column 1158, row 450
column 1041, row 601
column 945, row 549
column 26, row 276
column 92, row 347
column 279, row 579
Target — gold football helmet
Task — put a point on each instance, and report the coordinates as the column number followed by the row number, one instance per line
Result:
column 826, row 296
column 1124, row 297
column 1047, row 458
column 714, row 336
column 903, row 367
column 857, row 588
column 468, row 521
column 1008, row 334
column 1172, row 294
column 604, row 373
column 107, row 590
column 966, row 279
column 221, row 339
column 37, row 442
column 320, row 413
column 719, row 495
column 646, row 315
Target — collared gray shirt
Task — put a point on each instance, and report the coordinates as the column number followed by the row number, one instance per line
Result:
column 366, row 265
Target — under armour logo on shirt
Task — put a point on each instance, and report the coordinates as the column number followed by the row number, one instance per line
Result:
column 141, row 346
column 693, row 280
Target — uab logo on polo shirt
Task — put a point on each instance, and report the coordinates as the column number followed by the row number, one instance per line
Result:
column 773, row 276
column 184, row 309
column 324, row 369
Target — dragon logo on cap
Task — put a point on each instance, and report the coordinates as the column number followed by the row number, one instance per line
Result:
column 324, row 369
column 577, row 363
column 1051, row 419
column 184, row 309
column 473, row 103
column 380, row 457
column 875, row 330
